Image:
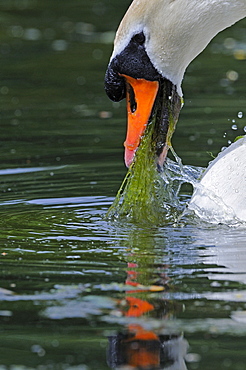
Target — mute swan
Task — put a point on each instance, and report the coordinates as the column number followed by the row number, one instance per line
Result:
column 154, row 44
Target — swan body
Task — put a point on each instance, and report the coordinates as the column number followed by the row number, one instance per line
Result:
column 220, row 195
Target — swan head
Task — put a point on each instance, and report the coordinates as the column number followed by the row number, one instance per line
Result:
column 154, row 44
column 152, row 49
column 133, row 73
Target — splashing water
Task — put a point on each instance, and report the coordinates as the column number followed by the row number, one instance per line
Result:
column 148, row 195
column 220, row 197
column 152, row 197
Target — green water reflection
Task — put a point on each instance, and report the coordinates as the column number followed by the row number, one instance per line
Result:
column 69, row 280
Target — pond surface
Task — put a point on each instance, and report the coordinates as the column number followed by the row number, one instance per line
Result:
column 77, row 291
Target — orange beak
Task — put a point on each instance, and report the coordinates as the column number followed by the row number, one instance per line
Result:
column 140, row 96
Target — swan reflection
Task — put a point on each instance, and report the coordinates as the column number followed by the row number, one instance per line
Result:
column 140, row 345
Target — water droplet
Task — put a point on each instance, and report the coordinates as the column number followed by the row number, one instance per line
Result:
column 17, row 113
column 240, row 114
column 234, row 127
column 59, row 45
column 16, row 31
column 229, row 43
column 244, row 129
column 224, row 82
column 4, row 90
column 232, row 75
column 32, row 34
column 36, row 348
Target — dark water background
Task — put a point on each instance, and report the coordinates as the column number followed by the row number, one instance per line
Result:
column 65, row 272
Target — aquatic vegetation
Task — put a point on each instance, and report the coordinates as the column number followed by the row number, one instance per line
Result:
column 138, row 197
column 150, row 194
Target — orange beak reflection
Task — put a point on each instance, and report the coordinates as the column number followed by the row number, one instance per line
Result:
column 140, row 96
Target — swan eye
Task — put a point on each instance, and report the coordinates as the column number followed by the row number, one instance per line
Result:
column 139, row 38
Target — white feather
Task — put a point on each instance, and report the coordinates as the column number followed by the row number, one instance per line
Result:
column 220, row 196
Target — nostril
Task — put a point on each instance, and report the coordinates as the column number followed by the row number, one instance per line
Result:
column 132, row 100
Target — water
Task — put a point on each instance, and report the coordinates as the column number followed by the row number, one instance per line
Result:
column 73, row 285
